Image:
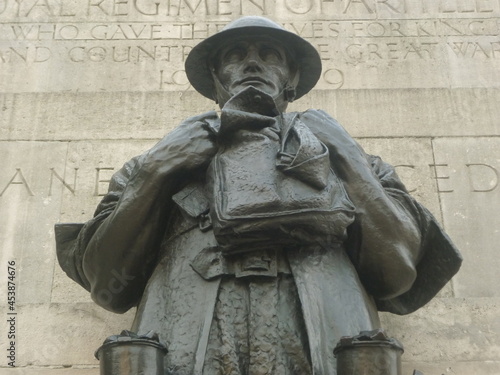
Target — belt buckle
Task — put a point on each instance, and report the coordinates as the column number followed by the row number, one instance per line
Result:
column 205, row 222
column 257, row 263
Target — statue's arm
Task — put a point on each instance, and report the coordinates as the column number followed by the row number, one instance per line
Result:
column 386, row 231
column 119, row 246
column 438, row 261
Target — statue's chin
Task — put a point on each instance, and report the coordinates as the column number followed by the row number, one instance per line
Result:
column 224, row 95
column 258, row 85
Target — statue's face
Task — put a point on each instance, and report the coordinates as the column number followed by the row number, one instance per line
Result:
column 259, row 63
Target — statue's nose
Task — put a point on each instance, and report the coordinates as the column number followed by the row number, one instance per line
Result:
column 252, row 62
column 253, row 65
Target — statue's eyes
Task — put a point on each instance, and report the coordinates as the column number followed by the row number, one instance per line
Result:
column 267, row 54
column 270, row 55
column 235, row 55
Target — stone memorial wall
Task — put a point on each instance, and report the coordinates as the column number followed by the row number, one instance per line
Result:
column 87, row 84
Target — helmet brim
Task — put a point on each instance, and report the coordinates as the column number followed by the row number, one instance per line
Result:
column 307, row 58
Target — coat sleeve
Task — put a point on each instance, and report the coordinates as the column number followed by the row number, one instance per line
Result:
column 114, row 253
column 72, row 238
column 439, row 259
column 432, row 257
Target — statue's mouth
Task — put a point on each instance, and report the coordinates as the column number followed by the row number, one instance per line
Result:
column 250, row 80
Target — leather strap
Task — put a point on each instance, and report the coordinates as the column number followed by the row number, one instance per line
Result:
column 211, row 263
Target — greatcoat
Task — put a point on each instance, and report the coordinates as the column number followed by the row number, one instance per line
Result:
column 177, row 297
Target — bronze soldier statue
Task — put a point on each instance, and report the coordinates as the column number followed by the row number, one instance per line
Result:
column 253, row 240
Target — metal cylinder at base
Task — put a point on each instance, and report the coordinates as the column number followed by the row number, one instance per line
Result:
column 369, row 353
column 131, row 354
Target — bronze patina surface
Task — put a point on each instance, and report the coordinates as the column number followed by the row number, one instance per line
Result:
column 252, row 240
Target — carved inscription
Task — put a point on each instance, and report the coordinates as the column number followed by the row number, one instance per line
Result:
column 55, row 181
column 150, row 39
column 200, row 30
column 482, row 178
column 174, row 8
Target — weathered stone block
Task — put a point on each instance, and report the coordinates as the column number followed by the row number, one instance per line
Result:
column 63, row 334
column 74, row 370
column 449, row 330
column 453, row 367
column 85, row 116
column 409, row 113
column 470, row 196
column 134, row 115
column 30, row 202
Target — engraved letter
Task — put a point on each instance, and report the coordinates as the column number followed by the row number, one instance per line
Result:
column 334, row 77
column 373, row 50
column 483, row 169
column 96, row 34
column 44, row 6
column 97, row 5
column 62, row 9
column 479, row 48
column 484, row 6
column 261, row 7
column 194, row 8
column 23, row 56
column 459, row 48
column 375, row 29
column 42, row 54
column 354, row 51
column 440, row 177
column 75, row 54
column 120, row 4
column 176, row 78
column 142, row 11
column 413, row 49
column 495, row 47
column 219, row 11
column 393, row 7
column 97, row 54
column 350, row 2
column 22, row 32
column 392, row 51
column 299, row 7
column 65, row 184
column 98, row 181
column 21, row 182
column 68, row 32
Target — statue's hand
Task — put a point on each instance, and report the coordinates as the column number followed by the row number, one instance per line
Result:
column 188, row 147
